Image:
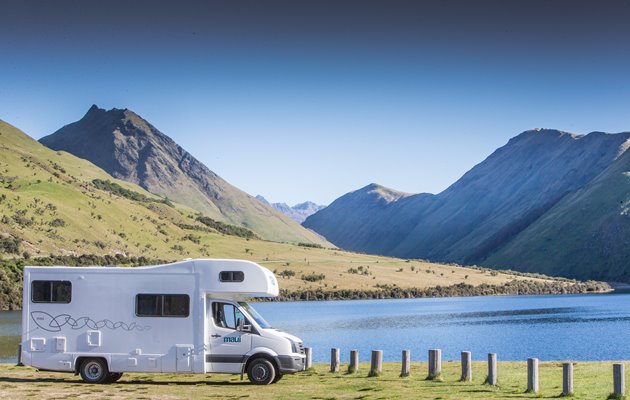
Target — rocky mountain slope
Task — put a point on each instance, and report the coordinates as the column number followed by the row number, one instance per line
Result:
column 495, row 204
column 589, row 228
column 298, row 212
column 129, row 148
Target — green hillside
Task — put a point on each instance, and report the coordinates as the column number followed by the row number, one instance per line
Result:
column 129, row 148
column 586, row 235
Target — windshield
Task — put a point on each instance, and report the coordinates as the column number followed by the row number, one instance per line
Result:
column 254, row 314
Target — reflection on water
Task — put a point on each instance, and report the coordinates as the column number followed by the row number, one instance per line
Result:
column 10, row 327
column 576, row 327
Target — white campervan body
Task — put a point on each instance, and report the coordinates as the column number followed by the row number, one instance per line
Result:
column 189, row 317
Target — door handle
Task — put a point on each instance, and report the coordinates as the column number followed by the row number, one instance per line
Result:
column 215, row 335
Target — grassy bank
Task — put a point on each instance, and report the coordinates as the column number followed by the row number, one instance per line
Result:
column 307, row 273
column 593, row 380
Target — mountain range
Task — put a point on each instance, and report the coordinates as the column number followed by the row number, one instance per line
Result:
column 548, row 201
column 131, row 149
column 298, row 212
column 58, row 209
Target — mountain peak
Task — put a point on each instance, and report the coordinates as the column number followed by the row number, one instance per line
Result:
column 94, row 110
column 128, row 147
column 385, row 193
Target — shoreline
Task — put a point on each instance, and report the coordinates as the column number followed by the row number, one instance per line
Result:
column 513, row 288
column 385, row 292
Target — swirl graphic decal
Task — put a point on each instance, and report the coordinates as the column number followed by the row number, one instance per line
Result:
column 54, row 324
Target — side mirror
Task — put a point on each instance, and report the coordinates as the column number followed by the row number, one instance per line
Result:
column 241, row 327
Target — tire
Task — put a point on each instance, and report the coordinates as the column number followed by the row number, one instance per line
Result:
column 94, row 370
column 278, row 377
column 114, row 377
column 261, row 372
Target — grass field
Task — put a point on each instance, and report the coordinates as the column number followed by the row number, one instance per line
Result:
column 592, row 380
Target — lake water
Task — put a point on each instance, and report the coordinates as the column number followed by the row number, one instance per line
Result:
column 574, row 327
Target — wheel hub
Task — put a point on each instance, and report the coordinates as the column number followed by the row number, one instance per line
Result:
column 260, row 373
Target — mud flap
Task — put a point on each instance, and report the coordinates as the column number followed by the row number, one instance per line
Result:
column 245, row 358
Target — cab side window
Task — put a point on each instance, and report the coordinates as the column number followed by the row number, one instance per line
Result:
column 226, row 315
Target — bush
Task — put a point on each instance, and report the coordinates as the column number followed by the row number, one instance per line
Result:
column 100, row 245
column 227, row 229
column 287, row 273
column 10, row 244
column 193, row 238
column 313, row 277
column 58, row 222
column 115, row 188
column 312, row 245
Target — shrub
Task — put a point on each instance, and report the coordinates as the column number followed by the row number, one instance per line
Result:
column 313, row 277
column 227, row 229
column 10, row 244
column 101, row 245
column 312, row 245
column 287, row 273
column 58, row 222
column 193, row 238
column 115, row 188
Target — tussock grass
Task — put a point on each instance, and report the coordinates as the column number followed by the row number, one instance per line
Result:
column 593, row 380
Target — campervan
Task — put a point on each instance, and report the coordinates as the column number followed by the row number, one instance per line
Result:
column 186, row 317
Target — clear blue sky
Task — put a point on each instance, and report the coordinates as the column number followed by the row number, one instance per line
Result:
column 302, row 100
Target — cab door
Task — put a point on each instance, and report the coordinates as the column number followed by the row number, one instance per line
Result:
column 228, row 346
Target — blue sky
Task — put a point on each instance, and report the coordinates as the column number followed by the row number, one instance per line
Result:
column 309, row 100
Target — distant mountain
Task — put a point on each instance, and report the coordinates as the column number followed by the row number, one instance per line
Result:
column 298, row 212
column 129, row 148
column 499, row 212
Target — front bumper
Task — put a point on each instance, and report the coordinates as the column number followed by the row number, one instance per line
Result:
column 290, row 364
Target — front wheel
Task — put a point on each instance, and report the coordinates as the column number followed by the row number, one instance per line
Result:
column 261, row 372
column 277, row 378
column 114, row 377
column 94, row 370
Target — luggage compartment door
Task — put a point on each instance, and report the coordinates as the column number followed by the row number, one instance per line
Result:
column 184, row 355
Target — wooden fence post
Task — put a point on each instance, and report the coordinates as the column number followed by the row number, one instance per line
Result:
column 334, row 359
column 354, row 361
column 308, row 363
column 435, row 364
column 19, row 356
column 376, row 366
column 466, row 366
column 567, row 379
column 406, row 363
column 619, row 380
column 492, row 369
column 532, row 375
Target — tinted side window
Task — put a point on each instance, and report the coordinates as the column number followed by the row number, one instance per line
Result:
column 148, row 305
column 162, row 305
column 51, row 291
column 176, row 305
column 231, row 276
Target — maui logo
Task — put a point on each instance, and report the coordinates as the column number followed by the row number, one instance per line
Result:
column 232, row 339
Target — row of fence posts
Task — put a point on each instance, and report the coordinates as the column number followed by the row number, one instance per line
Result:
column 435, row 368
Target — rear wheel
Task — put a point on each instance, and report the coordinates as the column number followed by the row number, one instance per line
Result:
column 94, row 370
column 261, row 372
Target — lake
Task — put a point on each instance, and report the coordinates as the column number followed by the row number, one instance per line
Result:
column 572, row 327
